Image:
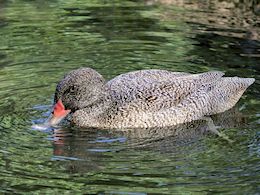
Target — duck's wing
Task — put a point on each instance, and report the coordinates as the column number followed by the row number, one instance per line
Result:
column 187, row 97
column 153, row 90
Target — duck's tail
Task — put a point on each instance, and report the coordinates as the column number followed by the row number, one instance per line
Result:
column 226, row 92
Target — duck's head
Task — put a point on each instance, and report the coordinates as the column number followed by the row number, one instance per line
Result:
column 77, row 90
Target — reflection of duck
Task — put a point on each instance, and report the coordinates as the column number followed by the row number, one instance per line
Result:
column 146, row 98
column 89, row 150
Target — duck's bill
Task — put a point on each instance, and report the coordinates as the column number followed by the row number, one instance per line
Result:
column 55, row 120
column 51, row 122
column 58, row 114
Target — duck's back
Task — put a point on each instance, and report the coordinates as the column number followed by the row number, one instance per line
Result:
column 147, row 88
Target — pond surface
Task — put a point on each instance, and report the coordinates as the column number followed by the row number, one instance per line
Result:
column 42, row 40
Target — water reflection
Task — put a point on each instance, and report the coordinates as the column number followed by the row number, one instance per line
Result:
column 83, row 148
column 223, row 28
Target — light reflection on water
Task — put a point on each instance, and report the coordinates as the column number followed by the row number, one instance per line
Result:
column 41, row 41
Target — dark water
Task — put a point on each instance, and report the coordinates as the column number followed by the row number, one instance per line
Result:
column 42, row 40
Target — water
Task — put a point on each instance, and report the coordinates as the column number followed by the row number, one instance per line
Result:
column 42, row 40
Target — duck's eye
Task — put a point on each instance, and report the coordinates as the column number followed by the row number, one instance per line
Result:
column 72, row 89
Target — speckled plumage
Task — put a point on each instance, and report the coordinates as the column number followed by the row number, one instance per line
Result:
column 147, row 98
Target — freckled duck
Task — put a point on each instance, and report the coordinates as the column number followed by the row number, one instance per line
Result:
column 145, row 98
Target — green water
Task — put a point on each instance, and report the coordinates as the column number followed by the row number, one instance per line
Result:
column 42, row 40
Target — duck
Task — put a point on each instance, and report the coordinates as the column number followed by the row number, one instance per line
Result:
column 144, row 98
